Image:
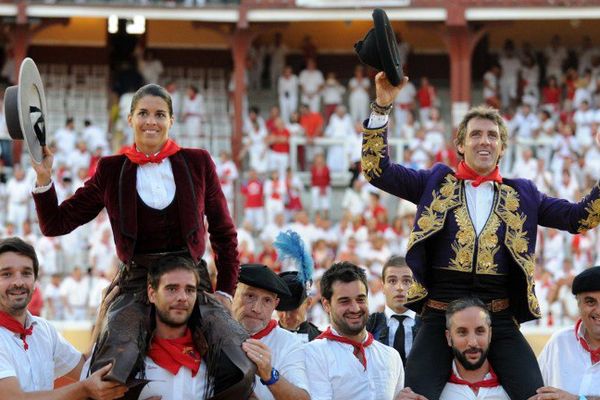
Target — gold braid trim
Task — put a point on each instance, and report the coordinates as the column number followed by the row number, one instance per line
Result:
column 416, row 292
column 372, row 152
column 433, row 216
column 593, row 218
column 464, row 245
column 516, row 241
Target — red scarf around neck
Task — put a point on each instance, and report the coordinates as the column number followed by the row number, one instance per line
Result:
column 594, row 354
column 466, row 173
column 475, row 386
column 359, row 348
column 172, row 354
column 266, row 330
column 10, row 323
column 137, row 157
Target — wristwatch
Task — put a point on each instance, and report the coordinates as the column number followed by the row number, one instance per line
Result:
column 274, row 378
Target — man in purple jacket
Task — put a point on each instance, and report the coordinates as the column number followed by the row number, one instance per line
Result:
column 474, row 235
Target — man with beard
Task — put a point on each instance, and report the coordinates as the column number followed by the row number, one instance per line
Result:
column 396, row 326
column 32, row 353
column 345, row 362
column 469, row 333
column 174, row 366
column 570, row 361
column 275, row 351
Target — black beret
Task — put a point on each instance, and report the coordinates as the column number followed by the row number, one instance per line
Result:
column 587, row 281
column 262, row 277
column 298, row 292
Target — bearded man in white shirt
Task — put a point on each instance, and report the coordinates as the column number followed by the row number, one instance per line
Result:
column 345, row 362
column 469, row 333
column 32, row 353
column 570, row 361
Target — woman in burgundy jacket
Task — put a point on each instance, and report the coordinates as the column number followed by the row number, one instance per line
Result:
column 157, row 196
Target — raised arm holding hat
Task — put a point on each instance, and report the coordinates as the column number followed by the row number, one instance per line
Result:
column 474, row 235
column 570, row 361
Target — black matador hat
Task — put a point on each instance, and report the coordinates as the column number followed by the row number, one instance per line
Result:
column 25, row 108
column 379, row 48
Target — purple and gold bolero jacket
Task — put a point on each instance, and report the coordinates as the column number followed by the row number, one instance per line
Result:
column 507, row 242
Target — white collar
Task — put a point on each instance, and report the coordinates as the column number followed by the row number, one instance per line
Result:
column 389, row 313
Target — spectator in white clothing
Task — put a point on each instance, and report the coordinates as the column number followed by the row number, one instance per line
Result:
column 75, row 291
column 345, row 362
column 18, row 190
column 287, row 88
column 570, row 361
column 311, row 82
column 332, row 93
column 32, row 353
column 358, row 100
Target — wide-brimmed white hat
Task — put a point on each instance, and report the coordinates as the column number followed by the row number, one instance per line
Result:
column 25, row 109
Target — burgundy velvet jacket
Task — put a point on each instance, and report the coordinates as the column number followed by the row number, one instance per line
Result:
column 113, row 186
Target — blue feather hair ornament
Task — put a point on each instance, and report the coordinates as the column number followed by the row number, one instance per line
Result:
column 290, row 247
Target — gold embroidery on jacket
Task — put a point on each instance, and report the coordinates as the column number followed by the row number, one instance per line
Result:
column 593, row 218
column 488, row 246
column 433, row 216
column 516, row 241
column 372, row 153
column 464, row 245
column 416, row 292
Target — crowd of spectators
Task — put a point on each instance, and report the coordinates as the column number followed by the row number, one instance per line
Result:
column 549, row 99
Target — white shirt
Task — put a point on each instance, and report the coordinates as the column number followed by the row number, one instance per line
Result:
column 332, row 92
column 49, row 356
column 155, row 184
column 406, row 95
column 95, row 137
column 480, row 200
column 286, row 358
column 407, row 325
column 335, row 373
column 76, row 292
column 490, row 87
column 454, row 391
column 182, row 386
column 510, row 69
column 566, row 365
column 310, row 80
column 288, row 86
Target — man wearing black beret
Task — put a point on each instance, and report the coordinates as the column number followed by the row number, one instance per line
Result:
column 292, row 309
column 275, row 351
column 570, row 361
